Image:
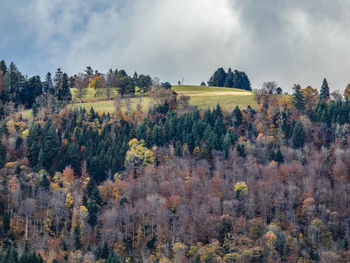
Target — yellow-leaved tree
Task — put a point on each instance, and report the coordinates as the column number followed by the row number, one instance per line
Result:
column 347, row 92
column 311, row 97
column 241, row 189
column 139, row 154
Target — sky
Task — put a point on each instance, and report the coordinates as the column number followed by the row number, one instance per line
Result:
column 289, row 41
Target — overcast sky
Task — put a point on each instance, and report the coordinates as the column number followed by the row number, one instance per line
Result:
column 290, row 41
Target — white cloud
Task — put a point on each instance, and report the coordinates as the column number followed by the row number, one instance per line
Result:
column 287, row 41
column 171, row 39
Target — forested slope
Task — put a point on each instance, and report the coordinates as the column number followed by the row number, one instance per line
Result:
column 175, row 183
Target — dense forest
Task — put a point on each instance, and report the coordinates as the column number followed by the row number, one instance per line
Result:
column 267, row 183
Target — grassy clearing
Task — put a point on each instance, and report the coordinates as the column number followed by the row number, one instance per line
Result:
column 92, row 95
column 209, row 97
column 201, row 96
column 108, row 106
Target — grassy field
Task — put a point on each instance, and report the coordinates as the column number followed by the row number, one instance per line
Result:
column 108, row 106
column 203, row 97
column 208, row 97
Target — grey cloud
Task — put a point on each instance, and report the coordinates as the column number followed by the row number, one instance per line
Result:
column 290, row 41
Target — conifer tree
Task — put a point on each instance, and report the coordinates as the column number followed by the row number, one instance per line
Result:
column 77, row 241
column 324, row 93
column 2, row 155
column 15, row 82
column 218, row 79
column 178, row 149
column 245, row 82
column 237, row 116
column 41, row 158
column 50, row 145
column 94, row 201
column 157, row 137
column 6, row 222
column 34, row 143
column 3, row 66
column 48, row 84
column 279, row 157
column 113, row 259
column 229, row 79
column 298, row 98
column 228, row 141
column 63, row 93
column 45, row 183
column 298, row 136
column 57, row 80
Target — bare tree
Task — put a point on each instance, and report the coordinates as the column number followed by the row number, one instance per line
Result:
column 260, row 94
column 81, row 84
column 58, row 208
column 48, row 103
column 270, row 86
column 28, row 210
column 156, row 82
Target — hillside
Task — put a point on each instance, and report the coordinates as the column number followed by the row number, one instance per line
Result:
column 203, row 97
column 172, row 183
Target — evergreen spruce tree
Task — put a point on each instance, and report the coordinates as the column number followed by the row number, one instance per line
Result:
column 217, row 114
column 279, row 157
column 237, row 114
column 324, row 93
column 63, row 93
column 77, row 242
column 50, row 145
column 113, row 259
column 41, row 159
column 141, row 131
column 298, row 98
column 298, row 136
column 45, row 183
column 33, row 89
column 57, row 81
column 2, row 155
column 218, row 79
column 241, row 150
column 178, row 149
column 33, row 143
column 9, row 255
column 157, row 136
column 3, row 129
column 15, row 82
column 271, row 155
column 48, row 86
column 94, row 202
column 228, row 141
column 3, row 66
column 229, row 79
column 245, row 82
column 5, row 222
column 219, row 127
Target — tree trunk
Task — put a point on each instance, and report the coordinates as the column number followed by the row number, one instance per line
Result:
column 26, row 231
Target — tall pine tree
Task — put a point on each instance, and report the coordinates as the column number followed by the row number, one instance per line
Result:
column 298, row 98
column 298, row 136
column 324, row 93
